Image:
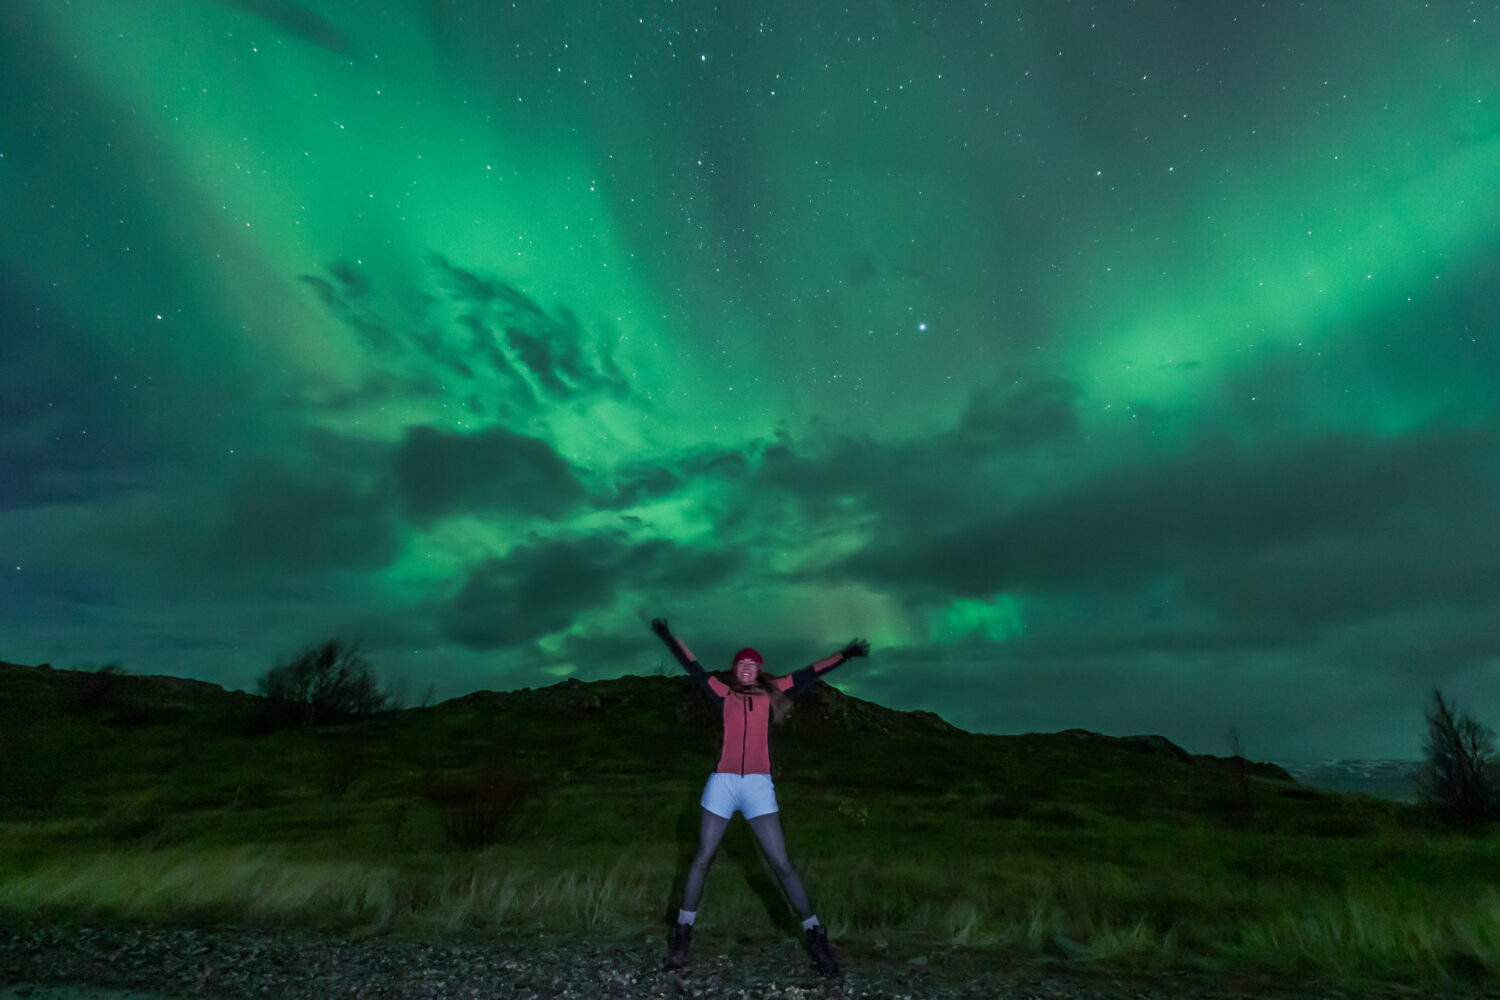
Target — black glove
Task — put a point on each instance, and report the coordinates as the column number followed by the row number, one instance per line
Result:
column 859, row 647
column 659, row 626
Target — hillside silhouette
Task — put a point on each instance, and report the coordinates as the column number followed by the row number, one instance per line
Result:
column 76, row 736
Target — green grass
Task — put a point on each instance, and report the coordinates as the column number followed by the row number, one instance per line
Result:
column 1131, row 897
column 902, row 831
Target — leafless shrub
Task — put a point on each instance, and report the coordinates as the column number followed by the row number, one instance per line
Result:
column 1459, row 776
column 329, row 680
column 480, row 807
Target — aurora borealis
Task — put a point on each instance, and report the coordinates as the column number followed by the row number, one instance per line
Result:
column 1126, row 366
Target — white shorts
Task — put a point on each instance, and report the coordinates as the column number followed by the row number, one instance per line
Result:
column 751, row 794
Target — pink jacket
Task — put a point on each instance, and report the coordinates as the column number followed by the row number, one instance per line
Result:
column 747, row 717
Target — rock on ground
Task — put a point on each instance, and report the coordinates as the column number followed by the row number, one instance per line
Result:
column 38, row 960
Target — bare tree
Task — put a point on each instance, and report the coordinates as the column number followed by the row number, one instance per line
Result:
column 1459, row 775
column 330, row 678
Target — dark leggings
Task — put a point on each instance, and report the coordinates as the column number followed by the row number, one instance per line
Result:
column 767, row 829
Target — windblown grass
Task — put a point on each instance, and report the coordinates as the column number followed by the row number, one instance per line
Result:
column 1028, row 846
column 1161, row 902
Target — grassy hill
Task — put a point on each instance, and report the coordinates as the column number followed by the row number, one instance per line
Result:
column 163, row 799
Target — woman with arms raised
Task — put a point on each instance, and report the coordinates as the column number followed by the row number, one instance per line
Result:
column 749, row 700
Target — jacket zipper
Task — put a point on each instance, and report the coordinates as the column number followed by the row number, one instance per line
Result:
column 745, row 734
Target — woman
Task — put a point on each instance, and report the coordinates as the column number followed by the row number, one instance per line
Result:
column 748, row 700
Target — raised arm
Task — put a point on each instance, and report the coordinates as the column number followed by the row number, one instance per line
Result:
column 809, row 675
column 676, row 645
column 685, row 657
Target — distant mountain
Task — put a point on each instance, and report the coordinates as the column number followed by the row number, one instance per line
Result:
column 1381, row 779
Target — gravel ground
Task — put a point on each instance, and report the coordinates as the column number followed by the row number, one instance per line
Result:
column 153, row 963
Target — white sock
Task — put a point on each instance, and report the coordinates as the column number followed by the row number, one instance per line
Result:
column 687, row 916
column 810, row 922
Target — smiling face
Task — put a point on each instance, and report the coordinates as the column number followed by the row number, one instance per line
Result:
column 746, row 670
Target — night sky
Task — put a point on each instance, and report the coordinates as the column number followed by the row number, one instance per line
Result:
column 1126, row 366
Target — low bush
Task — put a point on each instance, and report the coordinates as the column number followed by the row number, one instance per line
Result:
column 479, row 808
column 329, row 681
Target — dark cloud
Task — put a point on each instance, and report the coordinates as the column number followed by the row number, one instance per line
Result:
column 860, row 269
column 1418, row 647
column 495, row 470
column 482, row 338
column 551, row 348
column 541, row 588
column 1221, row 549
column 231, row 528
column 1019, row 418
column 533, row 592
column 300, row 518
column 1000, row 448
column 298, row 22
column 1191, row 677
column 1206, row 506
column 609, row 654
column 374, row 391
column 388, row 330
column 534, row 353
column 322, row 288
column 831, row 484
column 639, row 482
column 1350, row 575
column 355, row 283
column 348, row 284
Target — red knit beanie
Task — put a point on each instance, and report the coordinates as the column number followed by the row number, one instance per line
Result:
column 748, row 654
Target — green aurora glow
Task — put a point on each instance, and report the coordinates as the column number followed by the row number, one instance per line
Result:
column 1120, row 366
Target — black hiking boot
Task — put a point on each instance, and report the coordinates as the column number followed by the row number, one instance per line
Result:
column 817, row 946
column 682, row 938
